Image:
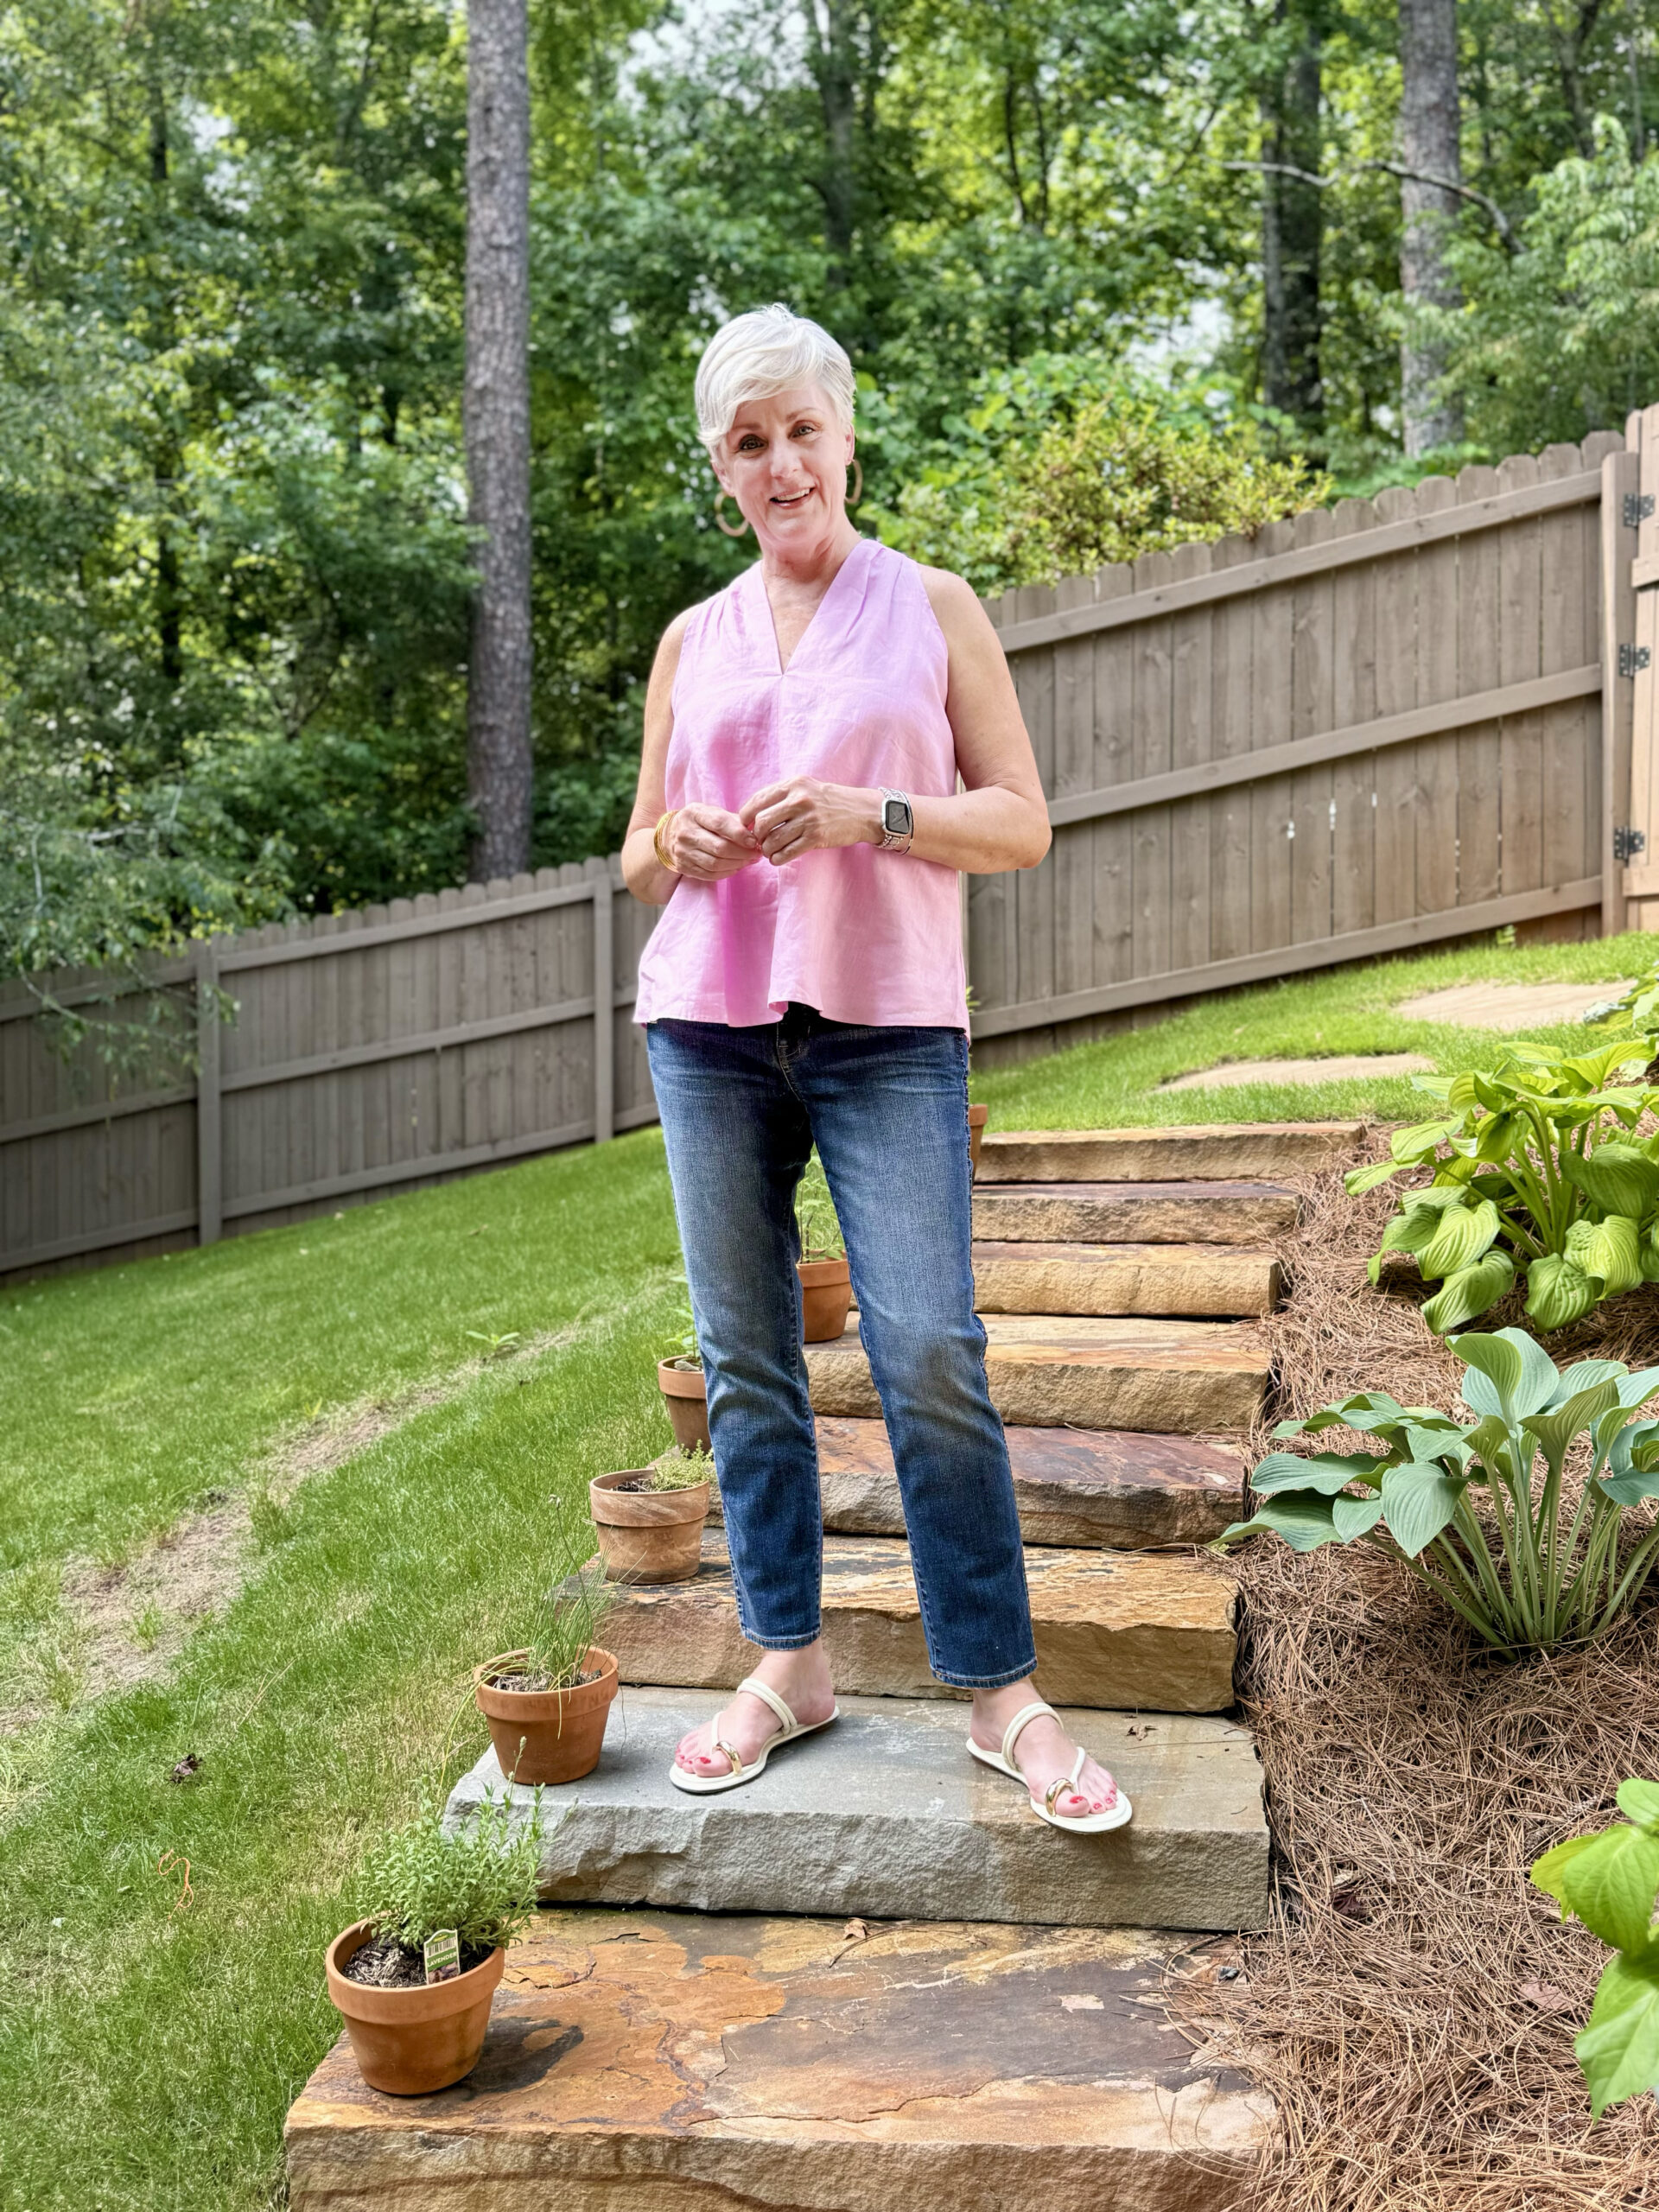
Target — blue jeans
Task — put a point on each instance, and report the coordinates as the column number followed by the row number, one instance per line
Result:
column 887, row 1109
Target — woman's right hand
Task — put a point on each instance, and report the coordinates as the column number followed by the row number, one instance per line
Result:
column 706, row 842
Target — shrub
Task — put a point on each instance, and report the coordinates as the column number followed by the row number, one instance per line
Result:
column 1538, row 1172
column 1527, row 1576
column 1611, row 1881
column 480, row 1880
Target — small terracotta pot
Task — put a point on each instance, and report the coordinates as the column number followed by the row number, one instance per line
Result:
column 411, row 2042
column 648, row 1535
column 686, row 1396
column 978, row 1117
column 546, row 1735
column 826, row 1294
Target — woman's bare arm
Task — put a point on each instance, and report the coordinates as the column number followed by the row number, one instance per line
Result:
column 705, row 841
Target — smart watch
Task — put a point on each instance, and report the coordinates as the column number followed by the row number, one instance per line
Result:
column 898, row 823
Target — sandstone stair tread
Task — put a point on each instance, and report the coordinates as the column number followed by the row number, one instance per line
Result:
column 1208, row 1151
column 636, row 2059
column 884, row 1814
column 1141, row 1630
column 1188, row 1280
column 1101, row 1212
column 1110, row 1488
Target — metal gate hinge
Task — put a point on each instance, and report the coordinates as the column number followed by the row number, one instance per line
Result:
column 1633, row 657
column 1638, row 506
column 1627, row 843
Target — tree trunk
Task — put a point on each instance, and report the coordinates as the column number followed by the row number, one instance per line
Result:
column 832, row 56
column 496, row 412
column 1429, row 133
column 1293, row 219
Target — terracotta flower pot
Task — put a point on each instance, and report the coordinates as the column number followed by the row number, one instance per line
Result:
column 826, row 1294
column 546, row 1735
column 686, row 1396
column 978, row 1117
column 411, row 2042
column 648, row 1535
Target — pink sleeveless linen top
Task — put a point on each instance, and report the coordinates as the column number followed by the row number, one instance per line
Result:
column 862, row 935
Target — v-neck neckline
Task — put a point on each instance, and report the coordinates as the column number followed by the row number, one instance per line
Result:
column 783, row 665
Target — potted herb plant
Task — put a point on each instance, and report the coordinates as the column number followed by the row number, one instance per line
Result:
column 413, row 1979
column 680, row 1379
column 649, row 1520
column 826, row 1278
column 547, row 1703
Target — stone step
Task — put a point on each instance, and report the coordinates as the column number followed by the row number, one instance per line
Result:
column 1113, row 1489
column 884, row 1814
column 1180, row 1378
column 1209, row 1152
column 1140, row 1631
column 1214, row 1281
column 640, row 2060
column 1133, row 1213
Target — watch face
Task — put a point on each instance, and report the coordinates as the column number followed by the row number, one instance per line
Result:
column 895, row 817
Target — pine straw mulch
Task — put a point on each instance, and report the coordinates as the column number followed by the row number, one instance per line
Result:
column 1412, row 2006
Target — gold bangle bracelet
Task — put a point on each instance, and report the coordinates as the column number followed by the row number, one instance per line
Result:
column 657, row 840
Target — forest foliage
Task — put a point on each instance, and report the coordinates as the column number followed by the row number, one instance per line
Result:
column 232, row 511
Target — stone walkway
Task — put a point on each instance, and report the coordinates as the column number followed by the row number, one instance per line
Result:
column 1349, row 1067
column 969, row 2023
column 1508, row 1006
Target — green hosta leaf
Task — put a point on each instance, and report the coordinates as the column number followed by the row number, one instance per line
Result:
column 1633, row 1465
column 1367, row 1179
column 1435, row 1439
column 1433, row 1086
column 1369, row 1409
column 1300, row 1516
column 1619, row 2049
column 1651, row 1255
column 1549, row 1872
column 1557, row 1292
column 1639, row 1802
column 1616, row 1177
column 1489, row 1440
column 1493, row 1094
column 1609, row 1250
column 1556, row 1429
column 1585, row 1374
column 1497, row 1138
column 1508, row 1373
column 1612, row 1884
column 1470, row 1293
column 1325, row 1471
column 1464, row 1233
column 1418, row 1142
column 1355, row 1516
column 1418, row 1499
column 1639, row 1385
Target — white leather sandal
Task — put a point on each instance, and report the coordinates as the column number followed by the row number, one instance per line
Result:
column 1116, row 1816
column 740, row 1772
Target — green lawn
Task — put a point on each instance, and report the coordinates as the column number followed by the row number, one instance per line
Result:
column 149, row 2044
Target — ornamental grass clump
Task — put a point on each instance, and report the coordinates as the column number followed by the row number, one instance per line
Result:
column 1539, row 1175
column 1528, row 1568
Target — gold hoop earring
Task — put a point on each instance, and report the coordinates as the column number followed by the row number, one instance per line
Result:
column 857, row 492
column 721, row 522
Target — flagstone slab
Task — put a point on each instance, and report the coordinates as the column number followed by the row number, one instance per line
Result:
column 640, row 2060
column 1510, row 1006
column 1141, row 1630
column 1185, row 1377
column 1335, row 1067
column 885, row 1814
column 1133, row 1213
column 1196, row 1281
column 1214, row 1152
column 1112, row 1488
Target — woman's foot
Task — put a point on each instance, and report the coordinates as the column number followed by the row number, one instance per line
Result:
column 802, row 1679
column 1043, row 1751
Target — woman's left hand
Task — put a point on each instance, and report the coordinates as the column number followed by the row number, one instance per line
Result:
column 805, row 816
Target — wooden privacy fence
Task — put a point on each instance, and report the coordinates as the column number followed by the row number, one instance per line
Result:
column 370, row 1050
column 1376, row 726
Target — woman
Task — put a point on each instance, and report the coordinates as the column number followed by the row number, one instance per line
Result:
column 800, row 815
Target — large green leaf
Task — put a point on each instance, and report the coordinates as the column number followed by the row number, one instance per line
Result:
column 1324, row 1472
column 1418, row 1499
column 1612, row 1884
column 1636, row 1388
column 1609, row 1251
column 1463, row 1235
column 1555, row 1429
column 1619, row 2049
column 1633, row 1465
column 1639, row 1802
column 1367, row 1179
column 1549, row 1872
column 1419, row 1141
column 1300, row 1516
column 1508, row 1373
column 1557, row 1292
column 1497, row 1137
column 1468, row 1295
column 1367, row 1410
column 1584, row 1373
column 1616, row 1177
column 1355, row 1516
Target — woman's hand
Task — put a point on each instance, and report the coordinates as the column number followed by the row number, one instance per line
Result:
column 804, row 816
column 706, row 842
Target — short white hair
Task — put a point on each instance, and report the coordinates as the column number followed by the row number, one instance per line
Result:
column 767, row 351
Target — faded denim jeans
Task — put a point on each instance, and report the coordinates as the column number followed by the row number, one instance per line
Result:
column 887, row 1109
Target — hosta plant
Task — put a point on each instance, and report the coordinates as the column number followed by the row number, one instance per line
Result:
column 1610, row 1882
column 1477, row 1509
column 1538, row 1174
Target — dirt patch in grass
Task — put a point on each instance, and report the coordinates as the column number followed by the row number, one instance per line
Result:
column 1413, row 2007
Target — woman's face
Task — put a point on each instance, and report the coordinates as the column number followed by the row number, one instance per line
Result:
column 785, row 461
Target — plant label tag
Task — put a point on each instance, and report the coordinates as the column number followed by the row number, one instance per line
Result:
column 443, row 1955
